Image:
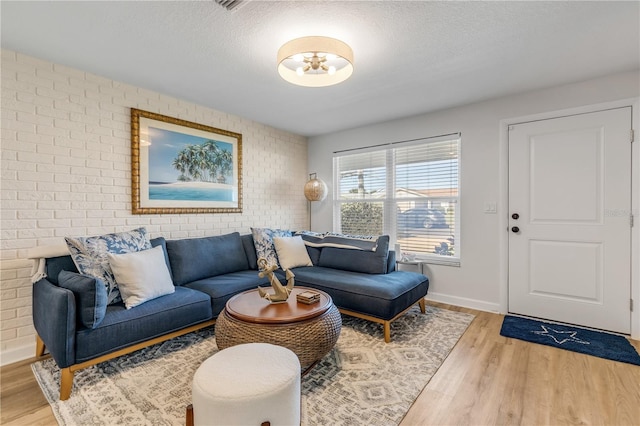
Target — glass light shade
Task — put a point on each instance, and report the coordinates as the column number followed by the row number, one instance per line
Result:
column 335, row 54
column 315, row 189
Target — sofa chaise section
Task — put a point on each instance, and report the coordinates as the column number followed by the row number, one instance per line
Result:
column 362, row 282
column 380, row 298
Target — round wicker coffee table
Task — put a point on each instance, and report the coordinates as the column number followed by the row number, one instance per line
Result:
column 310, row 331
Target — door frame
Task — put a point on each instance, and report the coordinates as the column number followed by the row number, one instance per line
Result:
column 503, row 197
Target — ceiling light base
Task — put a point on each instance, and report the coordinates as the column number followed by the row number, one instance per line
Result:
column 315, row 61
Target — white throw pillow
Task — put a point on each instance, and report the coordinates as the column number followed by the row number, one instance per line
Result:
column 292, row 252
column 141, row 276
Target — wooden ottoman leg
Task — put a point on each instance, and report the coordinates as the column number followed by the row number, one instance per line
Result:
column 189, row 421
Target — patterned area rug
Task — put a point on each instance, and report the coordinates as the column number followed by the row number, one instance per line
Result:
column 363, row 381
column 572, row 338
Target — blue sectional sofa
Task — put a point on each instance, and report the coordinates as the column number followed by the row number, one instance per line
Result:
column 80, row 330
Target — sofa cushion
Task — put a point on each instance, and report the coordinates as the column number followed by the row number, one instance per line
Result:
column 221, row 288
column 196, row 258
column 383, row 296
column 314, row 254
column 141, row 276
column 263, row 241
column 391, row 261
column 291, row 252
column 250, row 250
column 90, row 294
column 369, row 262
column 160, row 241
column 90, row 255
column 123, row 327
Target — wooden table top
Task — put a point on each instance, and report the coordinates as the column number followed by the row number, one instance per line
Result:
column 250, row 307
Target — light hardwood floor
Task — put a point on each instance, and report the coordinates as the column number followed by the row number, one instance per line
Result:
column 486, row 380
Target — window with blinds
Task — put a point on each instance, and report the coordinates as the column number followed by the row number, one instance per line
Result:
column 408, row 190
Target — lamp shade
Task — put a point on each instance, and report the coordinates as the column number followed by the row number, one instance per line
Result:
column 315, row 61
column 315, row 189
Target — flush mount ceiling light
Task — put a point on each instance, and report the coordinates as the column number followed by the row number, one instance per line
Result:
column 315, row 61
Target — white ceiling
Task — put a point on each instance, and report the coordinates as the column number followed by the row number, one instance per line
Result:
column 411, row 57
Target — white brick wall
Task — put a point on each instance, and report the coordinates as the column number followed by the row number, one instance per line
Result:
column 66, row 170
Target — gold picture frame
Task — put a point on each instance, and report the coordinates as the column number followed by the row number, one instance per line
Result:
column 178, row 166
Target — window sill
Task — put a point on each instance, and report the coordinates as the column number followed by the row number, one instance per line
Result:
column 453, row 262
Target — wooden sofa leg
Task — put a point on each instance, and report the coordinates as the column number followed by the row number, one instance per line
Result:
column 66, row 383
column 39, row 347
column 387, row 331
column 423, row 306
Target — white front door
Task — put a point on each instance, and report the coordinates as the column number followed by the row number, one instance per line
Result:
column 569, row 219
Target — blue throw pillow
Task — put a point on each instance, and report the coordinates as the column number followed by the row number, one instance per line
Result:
column 90, row 294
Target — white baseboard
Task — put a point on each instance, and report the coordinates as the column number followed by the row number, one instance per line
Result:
column 20, row 353
column 479, row 305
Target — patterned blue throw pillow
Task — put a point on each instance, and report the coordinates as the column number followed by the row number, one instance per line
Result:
column 90, row 255
column 263, row 242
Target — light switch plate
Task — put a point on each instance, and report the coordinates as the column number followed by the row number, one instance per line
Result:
column 490, row 208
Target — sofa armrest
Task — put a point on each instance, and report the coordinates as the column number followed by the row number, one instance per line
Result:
column 54, row 318
column 391, row 261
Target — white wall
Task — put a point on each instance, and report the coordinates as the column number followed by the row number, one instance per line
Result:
column 66, row 170
column 479, row 281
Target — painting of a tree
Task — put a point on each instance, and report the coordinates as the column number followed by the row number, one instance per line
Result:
column 179, row 166
column 206, row 162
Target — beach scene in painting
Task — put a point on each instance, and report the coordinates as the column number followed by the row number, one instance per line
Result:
column 189, row 168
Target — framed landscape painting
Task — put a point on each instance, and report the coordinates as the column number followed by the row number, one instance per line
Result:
column 182, row 167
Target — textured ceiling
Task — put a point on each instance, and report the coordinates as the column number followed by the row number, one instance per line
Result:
column 411, row 57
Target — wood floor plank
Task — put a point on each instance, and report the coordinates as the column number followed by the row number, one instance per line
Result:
column 41, row 417
column 487, row 379
column 490, row 379
column 20, row 394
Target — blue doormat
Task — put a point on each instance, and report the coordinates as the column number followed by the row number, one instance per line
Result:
column 603, row 345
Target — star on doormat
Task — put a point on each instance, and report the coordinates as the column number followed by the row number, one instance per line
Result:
column 558, row 336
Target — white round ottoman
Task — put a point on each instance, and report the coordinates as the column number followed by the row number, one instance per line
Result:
column 248, row 384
